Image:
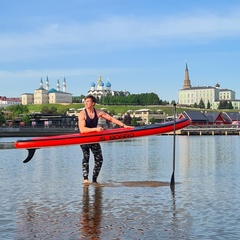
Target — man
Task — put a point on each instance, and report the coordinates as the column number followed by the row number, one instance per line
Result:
column 88, row 122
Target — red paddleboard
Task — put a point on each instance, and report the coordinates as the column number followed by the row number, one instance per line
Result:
column 96, row 137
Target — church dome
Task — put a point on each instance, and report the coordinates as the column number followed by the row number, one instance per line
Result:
column 101, row 84
column 93, row 84
column 108, row 84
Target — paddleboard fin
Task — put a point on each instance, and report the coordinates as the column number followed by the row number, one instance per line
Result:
column 30, row 154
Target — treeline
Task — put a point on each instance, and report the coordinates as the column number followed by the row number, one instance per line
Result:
column 13, row 112
column 223, row 104
column 132, row 99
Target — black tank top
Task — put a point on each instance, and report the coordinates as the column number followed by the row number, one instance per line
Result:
column 91, row 123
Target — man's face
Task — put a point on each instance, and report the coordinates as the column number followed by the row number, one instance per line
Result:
column 88, row 103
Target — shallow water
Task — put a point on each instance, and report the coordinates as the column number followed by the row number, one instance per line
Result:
column 45, row 198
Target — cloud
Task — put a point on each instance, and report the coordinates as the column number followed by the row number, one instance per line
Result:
column 116, row 32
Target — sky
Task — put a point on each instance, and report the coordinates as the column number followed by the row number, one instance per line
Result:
column 140, row 46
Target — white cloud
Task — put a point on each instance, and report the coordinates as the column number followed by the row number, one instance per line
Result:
column 116, row 32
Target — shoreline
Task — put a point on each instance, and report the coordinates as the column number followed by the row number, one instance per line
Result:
column 189, row 131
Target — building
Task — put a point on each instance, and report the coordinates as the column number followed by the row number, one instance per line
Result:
column 4, row 101
column 98, row 90
column 45, row 95
column 199, row 118
column 209, row 95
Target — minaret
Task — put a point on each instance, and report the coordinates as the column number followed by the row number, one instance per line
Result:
column 41, row 83
column 187, row 83
column 47, row 84
column 58, row 85
column 64, row 85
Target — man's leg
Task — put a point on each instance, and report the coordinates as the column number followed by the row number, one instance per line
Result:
column 85, row 161
column 98, row 160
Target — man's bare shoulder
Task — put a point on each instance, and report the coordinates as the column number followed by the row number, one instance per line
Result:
column 81, row 114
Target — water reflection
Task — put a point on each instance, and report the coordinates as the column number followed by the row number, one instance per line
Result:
column 91, row 213
column 45, row 199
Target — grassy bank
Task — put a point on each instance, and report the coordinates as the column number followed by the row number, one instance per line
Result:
column 116, row 109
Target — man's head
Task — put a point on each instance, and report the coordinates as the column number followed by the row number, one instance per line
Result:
column 90, row 98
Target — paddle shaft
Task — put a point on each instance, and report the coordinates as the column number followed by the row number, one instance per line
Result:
column 174, row 143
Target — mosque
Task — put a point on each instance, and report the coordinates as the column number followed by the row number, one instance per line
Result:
column 45, row 95
column 98, row 90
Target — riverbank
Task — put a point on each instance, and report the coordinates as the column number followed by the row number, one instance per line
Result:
column 191, row 130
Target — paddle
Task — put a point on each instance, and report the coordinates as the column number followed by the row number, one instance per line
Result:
column 172, row 184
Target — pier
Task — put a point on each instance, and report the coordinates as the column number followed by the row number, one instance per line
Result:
column 210, row 130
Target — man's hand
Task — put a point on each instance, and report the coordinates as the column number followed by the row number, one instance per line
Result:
column 99, row 129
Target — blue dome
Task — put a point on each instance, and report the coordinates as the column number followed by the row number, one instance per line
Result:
column 52, row 90
column 108, row 84
column 93, row 84
column 101, row 84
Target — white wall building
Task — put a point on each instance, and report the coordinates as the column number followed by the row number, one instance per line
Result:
column 193, row 95
column 4, row 101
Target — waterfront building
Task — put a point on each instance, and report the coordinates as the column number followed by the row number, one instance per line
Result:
column 145, row 116
column 5, row 101
column 199, row 118
column 209, row 95
column 45, row 95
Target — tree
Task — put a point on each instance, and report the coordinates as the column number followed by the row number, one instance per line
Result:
column 201, row 104
column 26, row 119
column 230, row 106
column 51, row 110
column 223, row 104
column 2, row 119
column 208, row 105
column 78, row 99
column 134, row 121
column 153, row 120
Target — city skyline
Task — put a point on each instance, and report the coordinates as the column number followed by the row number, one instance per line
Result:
column 137, row 46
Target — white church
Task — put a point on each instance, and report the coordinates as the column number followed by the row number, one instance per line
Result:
column 99, row 90
column 45, row 95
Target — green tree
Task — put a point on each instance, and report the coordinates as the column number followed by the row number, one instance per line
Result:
column 230, row 106
column 2, row 118
column 208, row 105
column 153, row 120
column 223, row 104
column 201, row 104
column 26, row 119
column 78, row 99
column 134, row 121
column 17, row 110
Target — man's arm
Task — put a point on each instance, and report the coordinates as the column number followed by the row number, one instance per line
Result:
column 112, row 119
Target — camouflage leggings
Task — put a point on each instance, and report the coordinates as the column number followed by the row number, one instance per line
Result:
column 98, row 160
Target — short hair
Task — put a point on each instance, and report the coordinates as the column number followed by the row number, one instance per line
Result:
column 92, row 98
